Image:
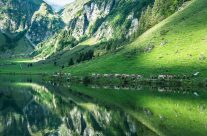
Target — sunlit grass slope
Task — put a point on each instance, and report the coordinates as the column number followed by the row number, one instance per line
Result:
column 176, row 45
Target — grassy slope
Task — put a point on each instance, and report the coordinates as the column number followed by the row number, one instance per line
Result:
column 22, row 46
column 186, row 42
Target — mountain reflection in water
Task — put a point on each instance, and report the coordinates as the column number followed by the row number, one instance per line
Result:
column 29, row 106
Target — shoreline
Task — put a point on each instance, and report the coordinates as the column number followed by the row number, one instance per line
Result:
column 121, row 79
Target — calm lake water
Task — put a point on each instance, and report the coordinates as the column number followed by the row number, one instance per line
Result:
column 30, row 106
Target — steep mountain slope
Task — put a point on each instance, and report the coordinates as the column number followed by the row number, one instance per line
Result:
column 105, row 24
column 17, row 46
column 175, row 46
column 87, row 32
column 113, row 19
column 31, row 18
column 15, row 15
column 44, row 23
column 102, row 19
column 96, row 21
column 71, row 10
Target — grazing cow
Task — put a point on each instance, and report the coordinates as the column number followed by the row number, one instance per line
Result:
column 116, row 87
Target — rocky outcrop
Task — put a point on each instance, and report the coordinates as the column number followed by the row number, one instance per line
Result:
column 91, row 18
column 99, row 20
column 34, row 17
column 102, row 19
column 72, row 10
column 44, row 23
column 15, row 15
column 85, row 18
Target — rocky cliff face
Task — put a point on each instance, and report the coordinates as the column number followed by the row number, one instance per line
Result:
column 99, row 20
column 34, row 17
column 15, row 15
column 86, row 16
column 103, row 19
column 71, row 10
column 44, row 23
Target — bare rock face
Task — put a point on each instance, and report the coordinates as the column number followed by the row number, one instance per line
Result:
column 89, row 12
column 101, row 19
column 34, row 17
column 44, row 24
column 15, row 15
column 72, row 10
column 83, row 18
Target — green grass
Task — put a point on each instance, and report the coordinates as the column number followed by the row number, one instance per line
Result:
column 89, row 42
column 186, row 41
column 20, row 66
column 20, row 47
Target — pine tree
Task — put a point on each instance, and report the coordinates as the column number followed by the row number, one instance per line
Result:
column 71, row 62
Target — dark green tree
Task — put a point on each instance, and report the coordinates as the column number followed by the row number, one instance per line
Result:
column 71, row 62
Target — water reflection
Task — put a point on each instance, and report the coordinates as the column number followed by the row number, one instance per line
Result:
column 29, row 106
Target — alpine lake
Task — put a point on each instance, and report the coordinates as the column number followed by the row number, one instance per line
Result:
column 30, row 106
